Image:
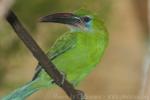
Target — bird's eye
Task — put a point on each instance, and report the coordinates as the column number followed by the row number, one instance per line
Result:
column 86, row 18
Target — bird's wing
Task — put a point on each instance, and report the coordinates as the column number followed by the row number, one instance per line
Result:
column 62, row 44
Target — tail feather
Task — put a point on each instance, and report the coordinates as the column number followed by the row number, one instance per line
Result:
column 26, row 90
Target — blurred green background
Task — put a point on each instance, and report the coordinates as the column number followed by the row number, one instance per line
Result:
column 120, row 72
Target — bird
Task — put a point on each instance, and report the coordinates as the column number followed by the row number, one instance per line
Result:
column 75, row 53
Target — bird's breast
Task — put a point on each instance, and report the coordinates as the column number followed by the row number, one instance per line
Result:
column 80, row 60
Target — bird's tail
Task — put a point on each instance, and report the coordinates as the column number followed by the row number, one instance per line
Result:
column 27, row 90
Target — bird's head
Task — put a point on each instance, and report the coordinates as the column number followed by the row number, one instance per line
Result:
column 79, row 19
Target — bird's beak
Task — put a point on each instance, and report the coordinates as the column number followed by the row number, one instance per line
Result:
column 64, row 18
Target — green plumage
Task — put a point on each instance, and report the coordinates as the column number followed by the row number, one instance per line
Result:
column 75, row 53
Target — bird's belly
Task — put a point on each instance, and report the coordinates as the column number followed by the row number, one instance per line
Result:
column 76, row 63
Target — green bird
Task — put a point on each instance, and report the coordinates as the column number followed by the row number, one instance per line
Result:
column 76, row 53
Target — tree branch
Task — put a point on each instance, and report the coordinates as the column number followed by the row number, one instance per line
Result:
column 49, row 67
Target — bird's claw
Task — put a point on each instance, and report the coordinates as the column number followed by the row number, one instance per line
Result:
column 62, row 80
column 79, row 95
column 63, row 77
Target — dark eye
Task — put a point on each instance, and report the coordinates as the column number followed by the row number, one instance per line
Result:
column 86, row 18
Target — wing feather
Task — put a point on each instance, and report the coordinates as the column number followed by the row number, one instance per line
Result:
column 66, row 42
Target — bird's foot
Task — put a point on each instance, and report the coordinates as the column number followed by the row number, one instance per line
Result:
column 79, row 95
column 63, row 78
